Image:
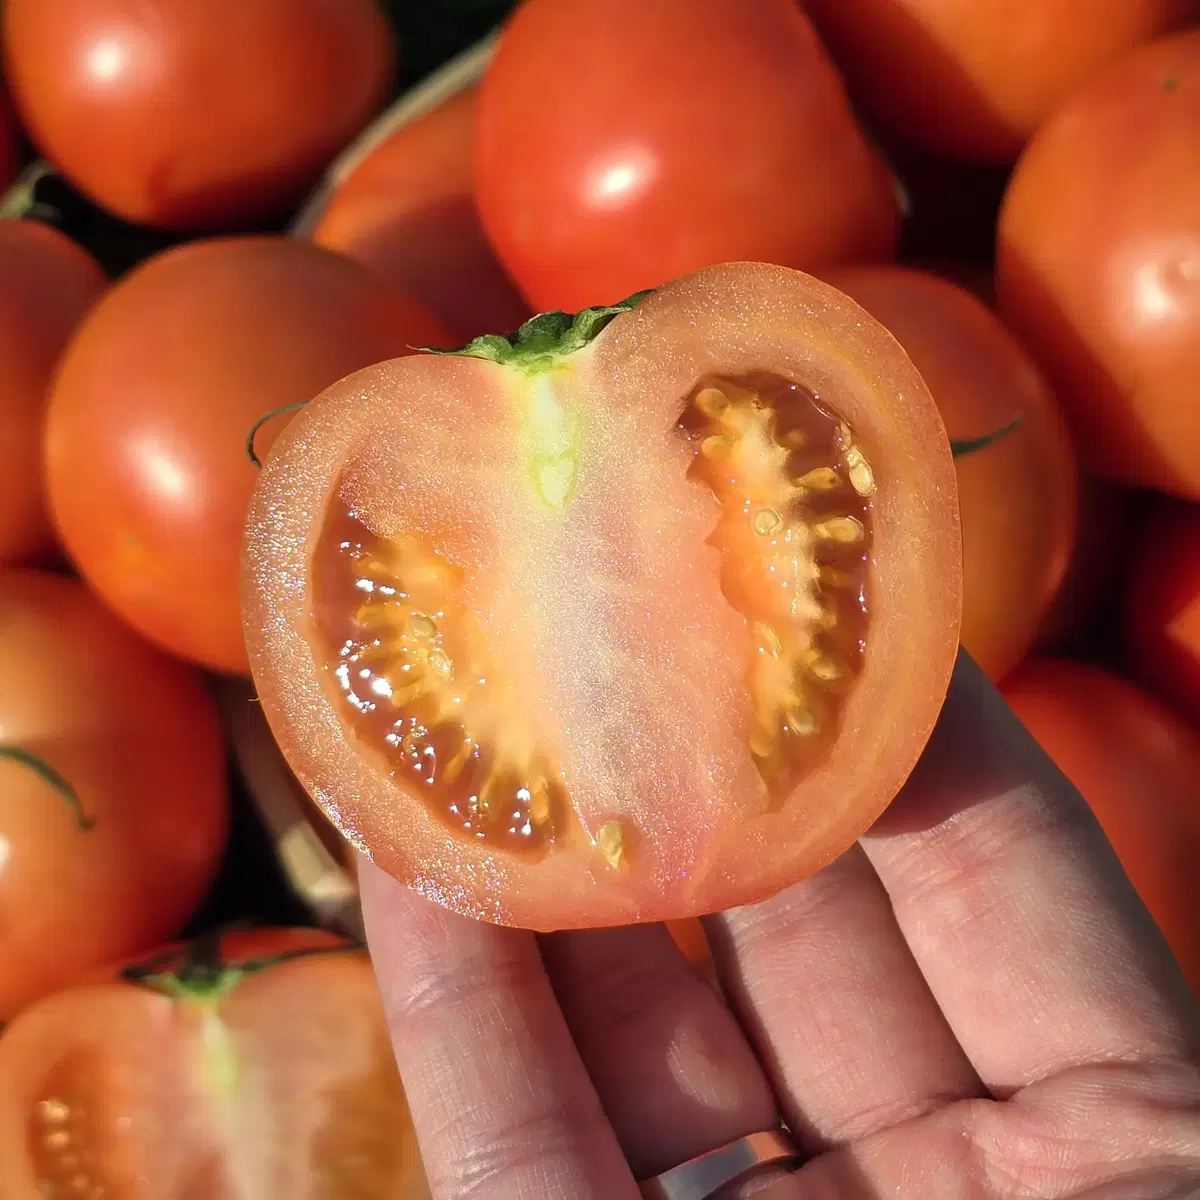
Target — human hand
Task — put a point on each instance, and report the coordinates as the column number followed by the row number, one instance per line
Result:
column 970, row 1003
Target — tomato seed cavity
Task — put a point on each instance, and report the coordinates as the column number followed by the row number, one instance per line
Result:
column 416, row 684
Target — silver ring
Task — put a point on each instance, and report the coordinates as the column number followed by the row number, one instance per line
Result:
column 704, row 1175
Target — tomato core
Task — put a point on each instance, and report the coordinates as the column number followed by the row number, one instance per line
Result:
column 407, row 666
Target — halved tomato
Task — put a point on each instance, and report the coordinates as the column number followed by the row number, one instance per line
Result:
column 636, row 617
column 265, row 1074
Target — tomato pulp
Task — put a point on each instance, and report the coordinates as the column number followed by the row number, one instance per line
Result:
column 264, row 1075
column 599, row 628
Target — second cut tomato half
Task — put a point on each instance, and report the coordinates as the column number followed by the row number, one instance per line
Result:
column 637, row 615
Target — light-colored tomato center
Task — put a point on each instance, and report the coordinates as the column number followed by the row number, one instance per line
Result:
column 415, row 681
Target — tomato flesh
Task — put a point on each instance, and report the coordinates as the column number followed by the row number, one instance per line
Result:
column 606, row 639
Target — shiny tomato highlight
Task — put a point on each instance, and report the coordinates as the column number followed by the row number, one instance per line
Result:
column 628, row 625
column 47, row 284
column 136, row 735
column 408, row 211
column 622, row 144
column 1162, row 607
column 1017, row 496
column 146, row 434
column 1137, row 765
column 974, row 79
column 1098, row 264
column 196, row 116
column 264, row 1074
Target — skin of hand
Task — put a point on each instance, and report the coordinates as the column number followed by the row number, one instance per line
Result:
column 971, row 1002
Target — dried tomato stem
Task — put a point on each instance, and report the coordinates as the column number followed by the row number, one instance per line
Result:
column 54, row 778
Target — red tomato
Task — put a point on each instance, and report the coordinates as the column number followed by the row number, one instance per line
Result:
column 974, row 79
column 1017, row 496
column 148, row 474
column 9, row 152
column 1099, row 263
column 622, row 629
column 408, row 211
column 47, row 283
column 196, row 115
column 267, row 1076
column 1138, row 767
column 136, row 735
column 1162, row 615
column 623, row 143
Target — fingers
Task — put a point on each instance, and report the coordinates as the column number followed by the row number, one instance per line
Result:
column 501, row 1102
column 672, row 1068
column 1032, row 940
column 837, row 1008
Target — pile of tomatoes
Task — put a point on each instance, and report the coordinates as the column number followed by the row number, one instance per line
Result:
column 211, row 219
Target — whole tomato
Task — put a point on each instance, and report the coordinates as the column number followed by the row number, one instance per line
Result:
column 1162, row 607
column 145, row 445
column 973, row 79
column 1098, row 265
column 623, row 143
column 135, row 735
column 1138, row 767
column 253, row 1067
column 47, row 283
column 408, row 211
column 630, row 617
column 196, row 115
column 1017, row 496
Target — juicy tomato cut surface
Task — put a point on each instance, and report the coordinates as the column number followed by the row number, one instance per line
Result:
column 634, row 632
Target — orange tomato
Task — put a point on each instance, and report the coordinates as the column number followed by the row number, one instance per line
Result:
column 1098, row 264
column 639, row 618
column 1017, row 497
column 974, row 79
column 1138, row 767
column 148, row 474
column 47, row 283
column 196, row 115
column 1162, row 607
column 136, row 735
column 260, row 1072
column 408, row 211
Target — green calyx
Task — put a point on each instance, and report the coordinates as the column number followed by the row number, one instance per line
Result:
column 545, row 340
column 199, row 974
column 54, row 779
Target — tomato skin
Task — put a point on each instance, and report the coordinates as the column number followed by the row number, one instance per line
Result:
column 190, row 116
column 1162, row 607
column 1017, row 497
column 628, row 628
column 155, row 398
column 166, row 1096
column 408, row 211
column 47, row 283
column 974, row 79
column 1137, row 765
column 622, row 144
column 137, row 736
column 1096, row 264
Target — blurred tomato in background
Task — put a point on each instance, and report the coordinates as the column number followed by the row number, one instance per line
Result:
column 1162, row 616
column 146, row 438
column 973, row 79
column 408, row 211
column 1137, row 765
column 47, row 284
column 136, row 736
column 9, row 151
column 1098, row 265
column 195, row 116
column 622, row 143
column 1016, row 495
